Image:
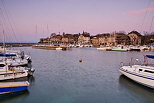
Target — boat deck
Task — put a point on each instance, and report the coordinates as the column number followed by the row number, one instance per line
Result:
column 13, row 84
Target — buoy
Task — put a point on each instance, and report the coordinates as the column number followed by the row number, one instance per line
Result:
column 80, row 60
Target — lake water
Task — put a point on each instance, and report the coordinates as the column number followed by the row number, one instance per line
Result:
column 61, row 78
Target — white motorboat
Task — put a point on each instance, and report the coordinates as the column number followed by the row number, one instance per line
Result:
column 105, row 48
column 15, row 59
column 140, row 73
column 59, row 48
column 10, row 72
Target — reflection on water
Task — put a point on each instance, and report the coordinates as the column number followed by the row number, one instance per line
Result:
column 136, row 88
column 61, row 78
column 11, row 96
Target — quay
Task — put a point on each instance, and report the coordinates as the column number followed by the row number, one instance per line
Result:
column 50, row 47
column 17, row 44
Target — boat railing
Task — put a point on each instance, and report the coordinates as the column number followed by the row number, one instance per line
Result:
column 136, row 62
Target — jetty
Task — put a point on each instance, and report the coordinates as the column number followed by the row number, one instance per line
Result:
column 50, row 47
column 17, row 44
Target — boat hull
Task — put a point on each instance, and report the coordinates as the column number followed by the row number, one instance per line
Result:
column 121, row 50
column 105, row 49
column 142, row 79
column 12, row 89
column 13, row 75
column 9, row 87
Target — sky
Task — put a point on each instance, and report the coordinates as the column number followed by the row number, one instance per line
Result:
column 30, row 20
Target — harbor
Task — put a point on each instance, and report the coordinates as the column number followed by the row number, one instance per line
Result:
column 60, row 77
column 76, row 51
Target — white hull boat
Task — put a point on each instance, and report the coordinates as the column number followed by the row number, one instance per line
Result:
column 10, row 72
column 13, row 74
column 59, row 48
column 104, row 48
column 141, row 74
column 14, row 61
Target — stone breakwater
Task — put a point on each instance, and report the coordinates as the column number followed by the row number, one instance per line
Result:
column 17, row 44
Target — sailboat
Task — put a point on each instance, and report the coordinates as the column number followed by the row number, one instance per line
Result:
column 15, row 58
column 143, row 74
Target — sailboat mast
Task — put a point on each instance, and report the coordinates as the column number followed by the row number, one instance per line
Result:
column 4, row 41
column 151, row 24
column 4, row 50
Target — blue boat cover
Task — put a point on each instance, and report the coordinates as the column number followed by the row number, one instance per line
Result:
column 7, row 55
column 150, row 56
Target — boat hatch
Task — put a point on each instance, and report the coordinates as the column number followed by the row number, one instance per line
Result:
column 149, row 71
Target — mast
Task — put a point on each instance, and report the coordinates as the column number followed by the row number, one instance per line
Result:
column 4, row 42
column 6, row 66
column 151, row 24
column 36, row 31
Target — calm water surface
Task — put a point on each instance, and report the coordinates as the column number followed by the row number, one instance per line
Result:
column 61, row 78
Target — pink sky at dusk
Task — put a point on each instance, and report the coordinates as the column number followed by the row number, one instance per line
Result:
column 72, row 16
column 139, row 12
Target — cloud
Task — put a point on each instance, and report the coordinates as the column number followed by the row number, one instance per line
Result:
column 152, row 2
column 139, row 12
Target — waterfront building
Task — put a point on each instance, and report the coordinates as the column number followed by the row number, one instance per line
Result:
column 95, row 40
column 113, row 39
column 106, row 39
column 103, row 39
column 148, row 39
column 67, row 38
column 84, row 38
column 55, row 39
column 76, row 36
column 44, row 40
column 121, row 39
column 135, row 38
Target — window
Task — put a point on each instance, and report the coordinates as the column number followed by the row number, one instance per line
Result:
column 149, row 71
column 140, row 69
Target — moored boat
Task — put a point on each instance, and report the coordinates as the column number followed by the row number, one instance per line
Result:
column 142, row 74
column 119, row 49
column 11, row 72
column 10, row 87
column 59, row 48
column 104, row 48
column 15, row 58
column 150, row 56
